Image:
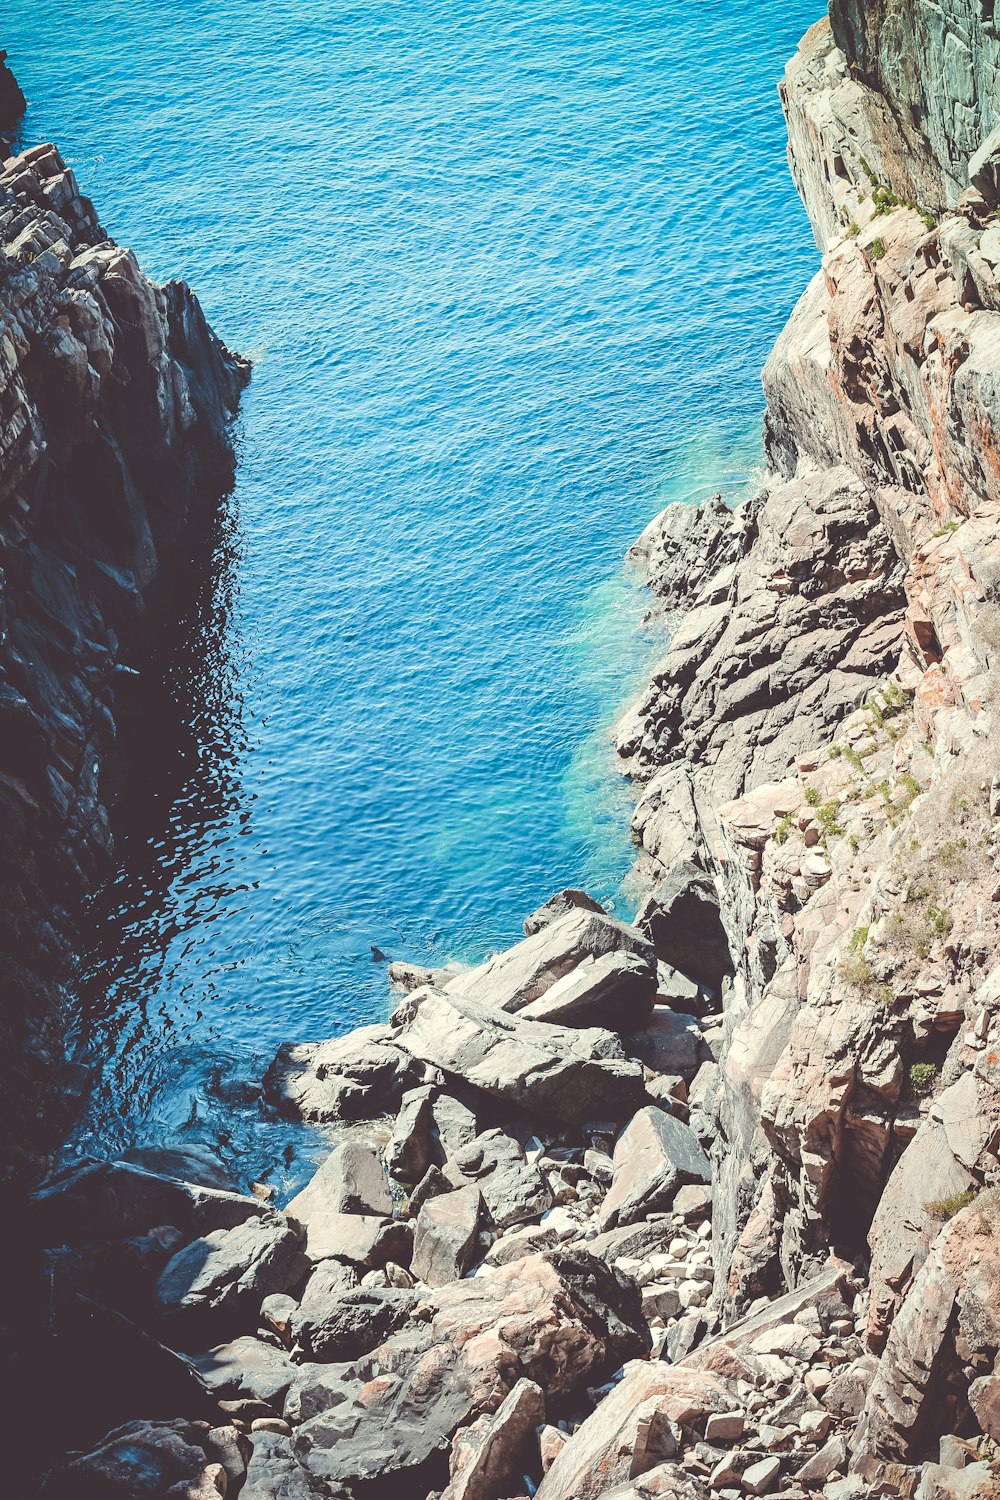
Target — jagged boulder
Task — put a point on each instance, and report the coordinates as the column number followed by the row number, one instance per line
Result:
column 582, row 968
column 561, row 1320
column 445, row 1237
column 634, row 1429
column 551, row 1072
column 356, row 1077
column 222, row 1277
column 654, row 1156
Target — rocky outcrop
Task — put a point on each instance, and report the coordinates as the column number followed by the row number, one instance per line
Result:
column 114, row 401
column 819, row 749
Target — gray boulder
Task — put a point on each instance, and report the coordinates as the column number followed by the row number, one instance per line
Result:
column 246, row 1368
column 553, row 1072
column 103, row 1200
column 366, row 1240
column 557, row 906
column 446, row 1236
column 340, row 1324
column 360, row 1076
column 584, row 968
column 225, row 1275
column 349, row 1181
column 275, row 1473
column 514, row 1192
column 430, row 1124
column 668, row 1043
column 654, row 1155
column 491, row 1456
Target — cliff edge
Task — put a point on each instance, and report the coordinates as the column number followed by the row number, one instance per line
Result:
column 115, row 398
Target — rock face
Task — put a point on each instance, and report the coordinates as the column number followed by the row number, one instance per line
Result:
column 115, row 396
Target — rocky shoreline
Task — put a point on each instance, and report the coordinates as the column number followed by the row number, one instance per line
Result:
column 707, row 1204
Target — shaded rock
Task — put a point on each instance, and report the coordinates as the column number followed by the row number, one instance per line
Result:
column 951, row 1312
column 115, row 1200
column 356, row 1077
column 553, row 1072
column 847, row 1391
column 445, row 1237
column 275, row 1473
column 668, row 1043
column 431, row 1123
column 583, row 968
column 654, row 1155
column 137, row 1460
column 196, row 1164
column 343, row 1326
column 226, row 1274
column 514, row 1191
column 683, row 922
column 246, row 1368
column 486, row 1462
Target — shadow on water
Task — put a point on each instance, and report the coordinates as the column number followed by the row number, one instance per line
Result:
column 175, row 785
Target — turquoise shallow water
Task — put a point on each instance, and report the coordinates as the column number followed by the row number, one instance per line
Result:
column 508, row 274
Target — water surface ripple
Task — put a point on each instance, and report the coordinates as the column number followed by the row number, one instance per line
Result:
column 508, row 274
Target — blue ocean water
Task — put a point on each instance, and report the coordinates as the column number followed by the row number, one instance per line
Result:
column 508, row 274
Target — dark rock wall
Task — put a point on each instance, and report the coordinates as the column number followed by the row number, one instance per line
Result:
column 115, row 397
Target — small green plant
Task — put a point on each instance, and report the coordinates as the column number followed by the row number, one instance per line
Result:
column 855, row 970
column 851, row 755
column 836, row 751
column 940, row 921
column 922, row 1076
column 827, row 816
column 878, row 248
column 853, row 230
column 813, row 796
column 859, row 938
column 946, row 529
column 947, row 1208
column 784, row 828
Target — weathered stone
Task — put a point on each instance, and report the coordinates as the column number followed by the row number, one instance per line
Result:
column 830, row 1458
column 564, row 1319
column 683, row 922
column 356, row 1077
column 445, row 1238
column 581, row 969
column 600, row 1453
column 337, row 1325
column 276, row 1473
column 759, row 1478
column 496, row 1456
column 247, row 1368
column 349, row 1181
column 112, row 1200
column 553, row 1072
column 558, row 906
column 654, row 1155
column 223, row 1277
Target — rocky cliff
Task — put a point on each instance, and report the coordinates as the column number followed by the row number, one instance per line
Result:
column 115, row 397
column 707, row 1204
